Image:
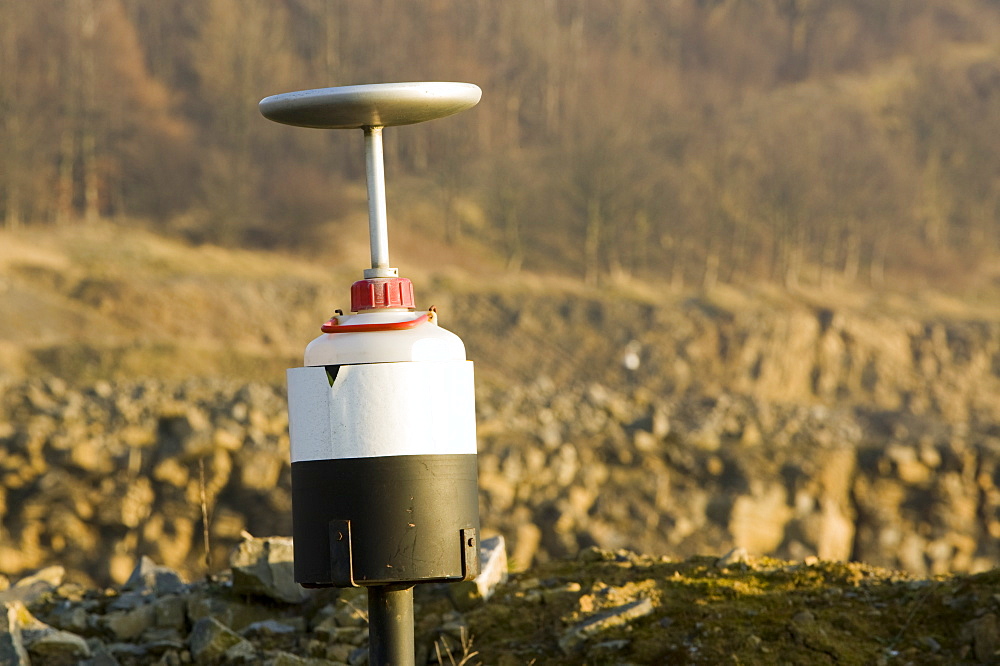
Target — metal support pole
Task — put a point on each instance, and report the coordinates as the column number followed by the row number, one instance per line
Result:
column 390, row 625
column 378, row 223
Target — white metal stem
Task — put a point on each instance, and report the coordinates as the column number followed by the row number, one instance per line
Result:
column 378, row 225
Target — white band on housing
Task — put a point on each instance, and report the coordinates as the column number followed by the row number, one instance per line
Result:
column 382, row 409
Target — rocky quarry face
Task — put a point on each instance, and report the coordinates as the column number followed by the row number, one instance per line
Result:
column 808, row 433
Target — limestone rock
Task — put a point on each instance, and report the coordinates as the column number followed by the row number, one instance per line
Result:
column 492, row 572
column 276, row 634
column 170, row 611
column 282, row 658
column 234, row 613
column 52, row 646
column 241, row 653
column 210, row 640
column 735, row 556
column 758, row 520
column 576, row 635
column 264, row 566
column 32, row 588
column 100, row 655
column 69, row 616
column 51, row 576
column 272, row 628
column 48, row 644
column 985, row 632
column 12, row 651
column 126, row 625
column 151, row 577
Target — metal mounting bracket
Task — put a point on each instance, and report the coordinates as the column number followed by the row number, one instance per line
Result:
column 470, row 553
column 341, row 562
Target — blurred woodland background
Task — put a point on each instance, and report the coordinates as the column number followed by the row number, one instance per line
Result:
column 728, row 269
column 697, row 141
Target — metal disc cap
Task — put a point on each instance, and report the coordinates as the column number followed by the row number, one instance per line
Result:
column 373, row 105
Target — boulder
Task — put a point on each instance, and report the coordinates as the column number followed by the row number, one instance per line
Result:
column 210, row 640
column 129, row 624
column 32, row 588
column 263, row 566
column 25, row 632
column 53, row 646
column 492, row 572
column 170, row 611
column 12, row 651
column 151, row 577
column 576, row 635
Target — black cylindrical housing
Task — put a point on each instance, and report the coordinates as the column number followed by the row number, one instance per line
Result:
column 385, row 520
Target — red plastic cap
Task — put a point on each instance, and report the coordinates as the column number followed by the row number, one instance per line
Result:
column 375, row 293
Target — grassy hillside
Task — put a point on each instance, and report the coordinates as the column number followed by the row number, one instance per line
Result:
column 107, row 301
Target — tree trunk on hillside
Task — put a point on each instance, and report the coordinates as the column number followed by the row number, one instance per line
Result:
column 793, row 264
column 12, row 206
column 640, row 252
column 592, row 243
column 91, row 179
column 828, row 256
column 801, row 19
column 712, row 260
column 512, row 236
column 675, row 250
column 877, row 267
column 739, row 252
column 12, row 178
column 89, row 113
column 11, row 136
column 852, row 252
column 65, row 187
